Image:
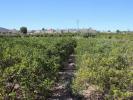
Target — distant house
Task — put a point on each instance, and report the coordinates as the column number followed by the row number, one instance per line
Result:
column 50, row 31
column 58, row 31
column 90, row 30
column 37, row 31
column 14, row 31
column 73, row 30
column 31, row 31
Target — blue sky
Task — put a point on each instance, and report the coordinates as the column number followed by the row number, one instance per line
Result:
column 98, row 14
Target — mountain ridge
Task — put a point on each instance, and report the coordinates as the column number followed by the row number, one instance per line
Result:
column 4, row 29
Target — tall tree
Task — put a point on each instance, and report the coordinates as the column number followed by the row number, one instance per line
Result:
column 43, row 29
column 23, row 30
column 118, row 31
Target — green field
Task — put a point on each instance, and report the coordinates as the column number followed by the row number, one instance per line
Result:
column 31, row 63
column 104, row 62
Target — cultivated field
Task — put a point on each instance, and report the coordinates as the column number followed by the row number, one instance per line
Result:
column 29, row 66
column 105, row 67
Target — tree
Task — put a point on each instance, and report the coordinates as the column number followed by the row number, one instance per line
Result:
column 43, row 29
column 109, row 31
column 23, row 30
column 117, row 31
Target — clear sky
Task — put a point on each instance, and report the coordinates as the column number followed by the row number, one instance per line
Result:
column 98, row 14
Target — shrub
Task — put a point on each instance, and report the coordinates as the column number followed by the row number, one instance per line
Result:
column 106, row 64
column 29, row 65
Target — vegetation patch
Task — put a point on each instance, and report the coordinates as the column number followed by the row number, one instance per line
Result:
column 29, row 65
column 105, row 63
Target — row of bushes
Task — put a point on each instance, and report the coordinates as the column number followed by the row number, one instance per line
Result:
column 106, row 65
column 86, row 35
column 29, row 66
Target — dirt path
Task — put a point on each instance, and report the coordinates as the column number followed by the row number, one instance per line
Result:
column 62, row 88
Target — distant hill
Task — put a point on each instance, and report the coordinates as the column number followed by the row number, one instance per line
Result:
column 4, row 29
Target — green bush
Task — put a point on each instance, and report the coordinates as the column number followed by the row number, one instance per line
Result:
column 87, row 35
column 29, row 65
column 106, row 64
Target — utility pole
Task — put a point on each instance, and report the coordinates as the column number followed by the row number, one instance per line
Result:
column 77, row 22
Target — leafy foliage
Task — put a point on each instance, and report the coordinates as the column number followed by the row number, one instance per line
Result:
column 23, row 30
column 29, row 65
column 107, row 64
